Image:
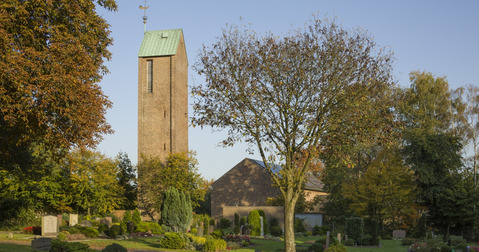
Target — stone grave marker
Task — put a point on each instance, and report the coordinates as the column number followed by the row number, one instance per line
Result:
column 10, row 235
column 261, row 221
column 43, row 244
column 327, row 239
column 59, row 220
column 85, row 223
column 399, row 234
column 73, row 220
column 339, row 237
column 49, row 225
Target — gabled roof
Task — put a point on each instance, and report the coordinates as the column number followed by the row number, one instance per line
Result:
column 160, row 43
column 312, row 183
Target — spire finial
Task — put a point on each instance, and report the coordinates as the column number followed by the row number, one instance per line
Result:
column 144, row 14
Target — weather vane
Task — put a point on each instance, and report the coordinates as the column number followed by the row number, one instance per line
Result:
column 144, row 14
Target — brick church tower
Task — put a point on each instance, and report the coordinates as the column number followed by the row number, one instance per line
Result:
column 162, row 94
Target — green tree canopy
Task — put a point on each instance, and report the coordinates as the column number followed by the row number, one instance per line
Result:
column 155, row 176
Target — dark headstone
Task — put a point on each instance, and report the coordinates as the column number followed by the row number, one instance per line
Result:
column 85, row 223
column 43, row 244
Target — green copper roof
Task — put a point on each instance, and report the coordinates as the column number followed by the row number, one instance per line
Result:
column 160, row 43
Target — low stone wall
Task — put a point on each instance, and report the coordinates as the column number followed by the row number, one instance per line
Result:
column 270, row 211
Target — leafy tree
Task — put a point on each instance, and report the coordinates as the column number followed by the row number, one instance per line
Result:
column 436, row 162
column 385, row 192
column 176, row 211
column 91, row 184
column 127, row 180
column 155, row 176
column 289, row 95
column 53, row 56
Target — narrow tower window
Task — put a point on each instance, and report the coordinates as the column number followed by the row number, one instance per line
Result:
column 149, row 75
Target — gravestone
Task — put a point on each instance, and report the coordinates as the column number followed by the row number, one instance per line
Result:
column 241, row 230
column 108, row 221
column 10, row 235
column 49, row 225
column 200, row 231
column 339, row 237
column 73, row 220
column 327, row 239
column 59, row 219
column 211, row 229
column 262, row 231
column 85, row 223
column 43, row 244
column 399, row 234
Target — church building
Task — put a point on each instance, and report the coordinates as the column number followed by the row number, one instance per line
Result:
column 162, row 94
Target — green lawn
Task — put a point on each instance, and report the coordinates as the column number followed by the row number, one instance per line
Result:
column 151, row 243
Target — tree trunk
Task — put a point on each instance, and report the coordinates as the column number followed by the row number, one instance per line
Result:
column 289, row 239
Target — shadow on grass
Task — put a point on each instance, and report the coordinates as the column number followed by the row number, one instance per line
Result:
column 15, row 247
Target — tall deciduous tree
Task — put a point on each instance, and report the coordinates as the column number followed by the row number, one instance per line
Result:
column 286, row 94
column 51, row 59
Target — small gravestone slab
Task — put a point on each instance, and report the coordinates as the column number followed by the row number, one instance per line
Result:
column 339, row 237
column 262, row 231
column 211, row 229
column 73, row 220
column 49, row 225
column 10, row 235
column 59, row 219
column 43, row 244
column 85, row 223
column 327, row 239
column 399, row 234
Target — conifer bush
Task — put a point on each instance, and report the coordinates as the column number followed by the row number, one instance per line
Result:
column 136, row 217
column 172, row 241
column 127, row 217
column 255, row 222
column 176, row 211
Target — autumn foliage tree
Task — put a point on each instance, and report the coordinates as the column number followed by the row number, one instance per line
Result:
column 51, row 60
column 285, row 94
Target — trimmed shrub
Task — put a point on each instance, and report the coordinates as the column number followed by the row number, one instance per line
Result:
column 172, row 241
column 103, row 228
column 316, row 247
column 74, row 230
column 114, row 248
column 115, row 231
column 124, row 228
column 176, row 210
column 217, row 234
column 349, row 242
column 214, row 245
column 194, row 231
column 336, row 248
column 127, row 217
column 276, row 231
column 89, row 232
column 355, row 228
column 60, row 246
column 146, row 226
column 317, row 230
column 237, row 225
column 299, row 226
column 62, row 236
column 136, row 218
column 224, row 223
column 255, row 223
column 130, row 226
column 408, row 241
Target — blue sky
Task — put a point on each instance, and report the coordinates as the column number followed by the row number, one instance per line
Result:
column 441, row 37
